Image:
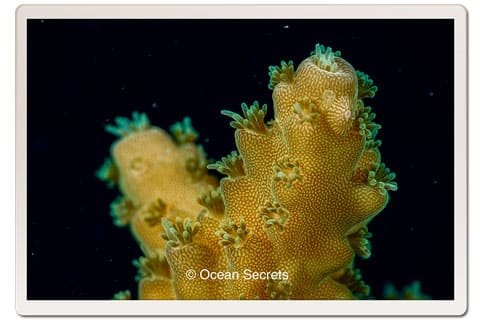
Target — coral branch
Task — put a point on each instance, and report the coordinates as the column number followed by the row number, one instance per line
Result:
column 297, row 197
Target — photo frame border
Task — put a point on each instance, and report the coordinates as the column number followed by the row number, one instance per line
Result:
column 457, row 306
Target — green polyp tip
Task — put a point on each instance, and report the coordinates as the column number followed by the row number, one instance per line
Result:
column 372, row 144
column 230, row 165
column 125, row 126
column 288, row 171
column 359, row 241
column 365, row 120
column 283, row 73
column 279, row 289
column 321, row 49
column 232, row 234
column 366, row 88
column 152, row 266
column 409, row 292
column 414, row 292
column 307, row 110
column 123, row 295
column 366, row 125
column 196, row 165
column 272, row 214
column 181, row 232
column 253, row 118
column 108, row 173
column 352, row 279
column 122, row 211
column 155, row 212
column 183, row 132
column 382, row 178
column 390, row 292
column 369, row 129
column 324, row 58
column 213, row 201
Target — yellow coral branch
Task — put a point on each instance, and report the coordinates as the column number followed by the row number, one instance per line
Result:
column 297, row 197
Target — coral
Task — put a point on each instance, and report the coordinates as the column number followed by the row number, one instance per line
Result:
column 123, row 295
column 292, row 211
column 159, row 179
column 412, row 291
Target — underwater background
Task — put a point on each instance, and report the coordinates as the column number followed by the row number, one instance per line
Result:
column 84, row 73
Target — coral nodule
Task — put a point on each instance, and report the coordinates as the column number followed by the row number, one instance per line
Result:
column 291, row 213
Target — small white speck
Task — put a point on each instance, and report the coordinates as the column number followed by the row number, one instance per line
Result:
column 286, row 26
column 347, row 114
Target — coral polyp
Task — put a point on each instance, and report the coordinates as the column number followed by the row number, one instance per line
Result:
column 296, row 200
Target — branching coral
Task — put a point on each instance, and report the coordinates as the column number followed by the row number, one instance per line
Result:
column 297, row 197
column 160, row 180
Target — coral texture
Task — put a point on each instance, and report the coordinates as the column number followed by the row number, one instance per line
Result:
column 291, row 212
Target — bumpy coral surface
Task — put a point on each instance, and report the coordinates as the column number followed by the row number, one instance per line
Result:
column 291, row 214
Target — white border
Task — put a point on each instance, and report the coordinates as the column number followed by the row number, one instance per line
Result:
column 278, row 308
